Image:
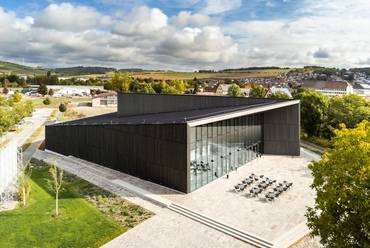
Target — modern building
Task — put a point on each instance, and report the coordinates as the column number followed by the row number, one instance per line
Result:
column 181, row 141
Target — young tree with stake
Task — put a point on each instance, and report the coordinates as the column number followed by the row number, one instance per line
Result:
column 55, row 184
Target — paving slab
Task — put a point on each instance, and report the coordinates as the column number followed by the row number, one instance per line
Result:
column 218, row 200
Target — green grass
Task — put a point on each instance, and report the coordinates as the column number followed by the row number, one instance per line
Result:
column 55, row 102
column 81, row 224
column 19, row 69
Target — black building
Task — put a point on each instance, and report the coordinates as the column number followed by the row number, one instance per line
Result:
column 181, row 141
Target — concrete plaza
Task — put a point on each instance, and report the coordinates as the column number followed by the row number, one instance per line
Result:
column 280, row 222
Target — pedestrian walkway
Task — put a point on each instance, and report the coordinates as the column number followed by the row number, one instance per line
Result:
column 278, row 224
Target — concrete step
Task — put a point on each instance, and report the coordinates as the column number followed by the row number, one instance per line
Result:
column 236, row 233
column 292, row 236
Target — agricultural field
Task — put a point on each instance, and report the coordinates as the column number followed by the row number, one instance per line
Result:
column 215, row 75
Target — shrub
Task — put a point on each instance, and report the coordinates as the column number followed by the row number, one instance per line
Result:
column 62, row 107
column 47, row 101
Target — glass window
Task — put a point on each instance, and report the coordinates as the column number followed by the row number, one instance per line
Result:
column 224, row 138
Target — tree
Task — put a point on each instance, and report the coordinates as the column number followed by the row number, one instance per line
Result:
column 314, row 109
column 196, row 85
column 5, row 90
column 235, row 91
column 121, row 82
column 42, row 89
column 257, row 91
column 46, row 101
column 62, row 107
column 279, row 95
column 17, row 97
column 51, row 92
column 23, row 183
column 146, row 88
column 55, row 184
column 349, row 110
column 341, row 214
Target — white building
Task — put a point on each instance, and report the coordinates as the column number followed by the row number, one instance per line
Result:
column 329, row 88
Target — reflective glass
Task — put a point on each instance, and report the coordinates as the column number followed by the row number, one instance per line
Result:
column 220, row 147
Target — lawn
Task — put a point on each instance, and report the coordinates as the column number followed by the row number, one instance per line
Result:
column 81, row 224
column 55, row 102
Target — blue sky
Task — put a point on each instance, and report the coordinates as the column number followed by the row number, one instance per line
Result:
column 186, row 35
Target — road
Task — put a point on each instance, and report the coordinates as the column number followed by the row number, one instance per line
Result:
column 312, row 147
column 37, row 120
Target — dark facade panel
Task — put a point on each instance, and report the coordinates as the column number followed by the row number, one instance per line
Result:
column 282, row 131
column 139, row 104
column 152, row 152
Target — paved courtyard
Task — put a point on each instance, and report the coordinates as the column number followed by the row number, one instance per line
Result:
column 217, row 200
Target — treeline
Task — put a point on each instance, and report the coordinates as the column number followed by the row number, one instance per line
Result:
column 321, row 115
column 124, row 83
column 81, row 70
column 254, row 68
column 13, row 110
column 362, row 70
column 127, row 70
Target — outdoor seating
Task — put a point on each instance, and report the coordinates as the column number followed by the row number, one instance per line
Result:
column 270, row 196
column 263, row 184
column 240, row 187
column 248, row 181
column 255, row 191
column 288, row 185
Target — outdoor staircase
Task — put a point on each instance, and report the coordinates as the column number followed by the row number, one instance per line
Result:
column 234, row 232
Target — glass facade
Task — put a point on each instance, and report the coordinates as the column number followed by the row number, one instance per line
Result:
column 220, row 147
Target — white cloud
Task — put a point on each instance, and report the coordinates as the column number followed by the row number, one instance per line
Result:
column 334, row 35
column 220, row 6
column 320, row 32
column 142, row 21
column 67, row 17
column 185, row 18
column 270, row 4
column 23, row 24
column 206, row 45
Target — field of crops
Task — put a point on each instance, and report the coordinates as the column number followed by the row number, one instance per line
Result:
column 215, row 75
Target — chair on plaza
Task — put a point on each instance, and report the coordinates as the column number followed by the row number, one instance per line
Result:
column 288, row 185
column 237, row 188
column 270, row 196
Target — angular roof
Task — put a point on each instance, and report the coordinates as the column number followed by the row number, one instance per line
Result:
column 110, row 93
column 319, row 85
column 284, row 90
column 190, row 117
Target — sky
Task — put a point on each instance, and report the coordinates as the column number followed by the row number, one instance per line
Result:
column 185, row 35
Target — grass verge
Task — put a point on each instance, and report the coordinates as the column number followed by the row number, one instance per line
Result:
column 70, row 114
column 32, row 138
column 81, row 223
